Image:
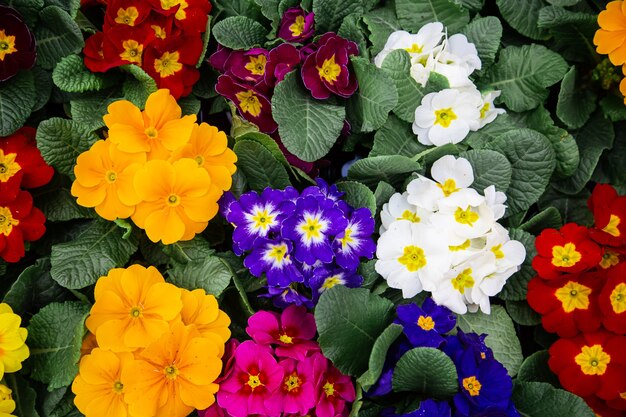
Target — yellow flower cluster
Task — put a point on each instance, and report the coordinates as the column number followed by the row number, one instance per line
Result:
column 13, row 349
column 610, row 38
column 164, row 171
column 157, row 350
column 7, row 405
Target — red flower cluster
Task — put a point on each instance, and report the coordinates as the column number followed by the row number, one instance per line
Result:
column 161, row 36
column 580, row 291
column 21, row 166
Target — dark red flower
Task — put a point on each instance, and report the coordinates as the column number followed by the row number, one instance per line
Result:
column 126, row 13
column 603, row 409
column 17, row 44
column 326, row 71
column 613, row 300
column 568, row 305
column 94, row 54
column 281, row 60
column 162, row 26
column 609, row 212
column 218, row 58
column 190, row 15
column 592, row 363
column 19, row 222
column 618, row 404
column 296, row 25
column 126, row 44
column 247, row 66
column 566, row 250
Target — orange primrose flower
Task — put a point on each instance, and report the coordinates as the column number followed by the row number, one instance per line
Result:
column 610, row 39
column 201, row 310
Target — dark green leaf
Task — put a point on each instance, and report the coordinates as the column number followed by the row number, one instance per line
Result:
column 522, row 16
column 413, row 14
column 546, row 219
column 260, row 167
column 239, row 32
column 426, row 371
column 23, row 395
column 389, row 168
column 396, row 137
column 535, row 369
column 490, row 168
column 357, row 195
column 538, row 399
column 210, row 273
column 57, row 36
column 17, row 98
column 381, row 23
column 485, row 33
column 378, row 355
column 71, row 76
column 521, row 313
column 329, row 14
column 575, row 104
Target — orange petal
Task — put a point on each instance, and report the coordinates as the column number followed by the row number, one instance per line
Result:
column 123, row 112
column 618, row 56
column 165, row 225
column 161, row 107
column 110, row 335
column 88, row 197
column 175, row 134
column 190, row 180
column 154, row 181
column 163, row 300
column 112, row 208
column 203, row 208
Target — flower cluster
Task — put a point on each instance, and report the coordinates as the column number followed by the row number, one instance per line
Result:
column 313, row 238
column 158, row 348
column 485, row 387
column 281, row 371
column 164, row 37
column 442, row 236
column 448, row 115
column 610, row 38
column 17, row 44
column 164, row 171
column 580, row 291
column 21, row 167
column 13, row 349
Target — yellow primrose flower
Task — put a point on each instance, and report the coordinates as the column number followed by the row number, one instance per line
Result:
column 201, row 310
column 7, row 405
column 13, row 349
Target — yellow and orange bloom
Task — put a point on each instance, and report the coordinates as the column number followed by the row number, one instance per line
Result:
column 201, row 310
column 610, row 39
column 132, row 308
column 7, row 404
column 13, row 349
column 98, row 387
column 104, row 180
column 173, row 375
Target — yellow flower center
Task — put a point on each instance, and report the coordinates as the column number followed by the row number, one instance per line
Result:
column 136, row 312
column 565, row 256
column 329, row 389
column 159, row 31
column 181, row 14
column 168, row 64
column 110, row 177
column 448, row 187
column 618, row 298
column 199, row 160
column 484, row 109
column 347, row 238
column 173, row 200
column 127, row 16
column 292, row 382
column 497, row 250
column 7, row 221
column 472, row 386
column 285, row 338
column 278, row 253
column 118, row 387
column 460, row 247
column 444, row 117
column 463, row 280
column 254, row 381
column 410, row 216
column 593, row 360
column 256, row 65
column 413, row 258
column 573, row 296
column 609, row 259
column 331, row 282
column 466, row 216
column 132, row 51
column 311, row 228
column 297, row 27
column 171, row 372
column 8, row 166
column 426, row 323
column 151, row 133
column 414, row 49
column 611, row 228
column 7, row 45
column 329, row 70
column 264, row 220
column 249, row 102
column 168, row 4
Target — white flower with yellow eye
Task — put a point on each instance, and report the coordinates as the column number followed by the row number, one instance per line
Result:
column 417, row 45
column 398, row 208
column 509, row 255
column 457, row 61
column 495, row 200
column 422, row 67
column 446, row 116
column 465, row 221
column 411, row 257
column 488, row 111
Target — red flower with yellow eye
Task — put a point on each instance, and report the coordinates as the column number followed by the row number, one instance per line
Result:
column 592, row 363
column 126, row 44
column 190, row 15
column 568, row 250
column 609, row 212
column 568, row 305
column 162, row 26
column 19, row 221
column 126, row 13
column 613, row 300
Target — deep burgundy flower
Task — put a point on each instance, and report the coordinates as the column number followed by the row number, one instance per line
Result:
column 17, row 44
column 218, row 58
column 296, row 25
column 326, row 71
column 248, row 66
column 281, row 60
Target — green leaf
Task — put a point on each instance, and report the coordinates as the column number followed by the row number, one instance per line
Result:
column 188, row 250
column 524, row 73
column 532, row 159
column 490, row 168
column 61, row 141
column 56, row 202
column 57, row 36
column 308, row 128
column 71, row 76
column 522, row 314
column 489, row 133
column 210, row 273
column 369, row 107
column 23, row 395
column 573, row 208
column 485, row 33
column 260, row 167
column 516, row 286
column 378, row 355
column 382, row 194
column 573, row 32
column 381, row 23
column 413, row 14
column 189, row 105
column 535, row 369
column 393, row 169
column 329, row 14
column 70, row 6
column 17, row 99
column 268, row 142
column 89, row 109
column 238, row 8
column 426, row 371
column 538, row 399
column 522, row 16
column 613, row 107
column 351, row 29
column 43, row 87
column 99, row 248
column 357, row 195
column 396, row 137
column 596, row 136
column 55, row 335
column 501, row 338
column 239, row 32
column 138, row 87
column 349, row 320
column 563, row 2
column 546, row 219
column 472, row 5
column 575, row 104
column 269, row 8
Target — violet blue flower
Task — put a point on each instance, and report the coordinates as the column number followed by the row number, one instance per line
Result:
column 427, row 408
column 355, row 242
column 467, row 344
column 425, row 326
column 296, row 25
column 384, row 384
column 325, row 278
column 285, row 296
column 281, row 60
column 274, row 258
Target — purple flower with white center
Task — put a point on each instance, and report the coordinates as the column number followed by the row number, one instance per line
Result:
column 273, row 257
column 356, row 240
column 283, row 297
column 296, row 25
column 325, row 278
column 322, row 189
column 314, row 222
column 425, row 326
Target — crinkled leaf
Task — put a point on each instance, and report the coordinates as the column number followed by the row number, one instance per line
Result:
column 57, row 203
column 138, row 87
column 351, row 29
column 381, row 23
column 413, row 14
column 238, row 8
column 573, row 32
column 546, row 219
column 575, row 104
column 480, row 138
column 613, row 107
column 89, row 109
column 17, row 98
column 473, row 5
column 516, row 286
column 490, row 168
column 57, row 36
column 389, row 168
column 261, row 168
column 522, row 314
column 522, row 16
column 535, row 369
column 43, row 87
column 573, row 208
column 426, row 371
column 357, row 195
column 485, row 33
column 329, row 14
column 538, row 399
column 396, row 137
column 239, row 32
column 210, row 273
column 71, row 75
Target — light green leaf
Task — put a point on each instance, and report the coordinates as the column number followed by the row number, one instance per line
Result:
column 57, row 36
column 501, row 338
column 71, row 76
column 239, row 32
column 378, row 355
column 308, row 128
column 210, row 273
column 490, row 168
column 349, row 320
column 23, row 395
column 516, row 286
column 329, row 14
column 535, row 369
column 99, row 248
column 522, row 16
column 376, row 96
column 426, row 371
column 575, row 104
column 413, row 14
column 524, row 73
column 396, row 137
column 17, row 99
column 522, row 314
column 548, row 218
column 55, row 335
column 260, row 167
column 357, row 195
column 392, row 169
column 538, row 399
column 485, row 33
column 381, row 23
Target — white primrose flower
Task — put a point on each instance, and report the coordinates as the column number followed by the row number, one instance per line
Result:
column 457, row 61
column 417, row 45
column 464, row 220
column 488, row 111
column 446, row 116
column 422, row 67
column 509, row 255
column 495, row 200
column 398, row 208
column 411, row 257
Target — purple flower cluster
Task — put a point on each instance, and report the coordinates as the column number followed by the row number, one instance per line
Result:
column 312, row 239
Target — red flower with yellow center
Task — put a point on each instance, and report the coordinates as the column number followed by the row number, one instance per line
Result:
column 190, row 15
column 613, row 300
column 126, row 44
column 609, row 212
column 19, row 222
column 126, row 13
column 566, row 250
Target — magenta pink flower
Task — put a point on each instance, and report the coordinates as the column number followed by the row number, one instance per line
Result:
column 249, row 65
column 300, row 380
column 281, row 60
column 292, row 331
column 335, row 390
column 253, row 385
column 296, row 25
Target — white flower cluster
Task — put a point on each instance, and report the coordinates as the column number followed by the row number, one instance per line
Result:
column 448, row 115
column 442, row 236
